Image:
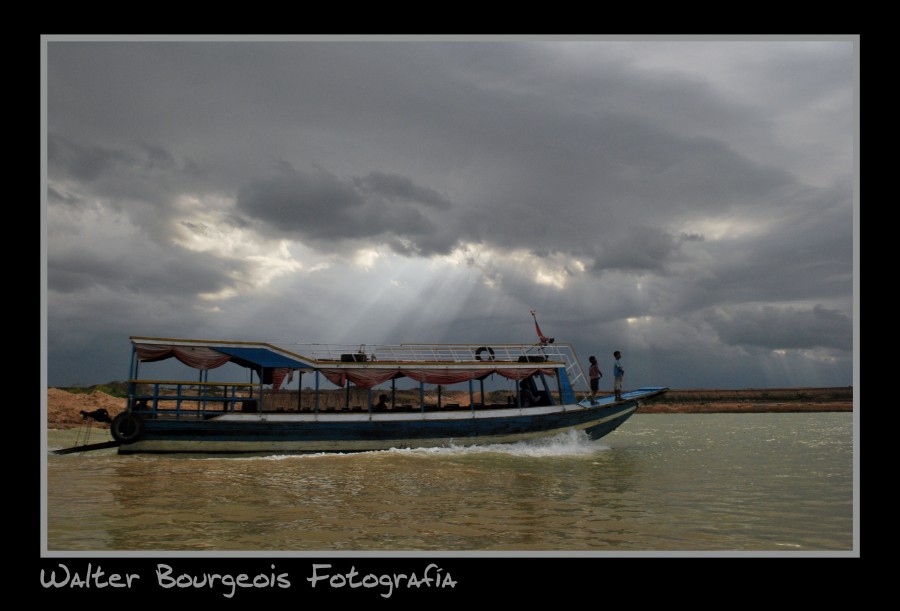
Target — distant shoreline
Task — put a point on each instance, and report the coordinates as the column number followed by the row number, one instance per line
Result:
column 743, row 408
column 751, row 400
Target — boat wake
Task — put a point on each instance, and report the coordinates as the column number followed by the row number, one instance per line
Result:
column 569, row 443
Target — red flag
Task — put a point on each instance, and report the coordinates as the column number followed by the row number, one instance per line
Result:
column 543, row 338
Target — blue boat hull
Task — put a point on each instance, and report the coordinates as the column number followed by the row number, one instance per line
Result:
column 329, row 432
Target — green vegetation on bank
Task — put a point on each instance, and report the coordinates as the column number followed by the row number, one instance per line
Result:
column 114, row 389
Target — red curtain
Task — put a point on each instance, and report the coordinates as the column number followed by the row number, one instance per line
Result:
column 278, row 376
column 364, row 378
column 192, row 356
column 367, row 378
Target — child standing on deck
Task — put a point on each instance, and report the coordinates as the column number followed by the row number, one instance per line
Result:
column 618, row 374
column 594, row 374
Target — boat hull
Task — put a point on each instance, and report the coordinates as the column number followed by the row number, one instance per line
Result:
column 293, row 433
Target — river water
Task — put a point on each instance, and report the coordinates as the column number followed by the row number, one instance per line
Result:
column 733, row 483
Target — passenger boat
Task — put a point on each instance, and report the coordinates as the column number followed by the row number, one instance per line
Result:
column 334, row 407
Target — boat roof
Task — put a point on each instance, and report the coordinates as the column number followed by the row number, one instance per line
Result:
column 247, row 354
column 367, row 365
column 298, row 356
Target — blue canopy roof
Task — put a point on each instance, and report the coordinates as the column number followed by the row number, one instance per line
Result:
column 260, row 357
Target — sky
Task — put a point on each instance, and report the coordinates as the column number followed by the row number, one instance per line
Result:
column 691, row 202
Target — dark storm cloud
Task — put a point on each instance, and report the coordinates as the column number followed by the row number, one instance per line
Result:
column 783, row 327
column 145, row 270
column 87, row 163
column 547, row 154
column 319, row 207
column 571, row 182
column 638, row 249
column 55, row 197
column 90, row 163
column 804, row 253
column 139, row 174
column 392, row 186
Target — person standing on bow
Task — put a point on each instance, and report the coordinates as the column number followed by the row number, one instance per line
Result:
column 594, row 374
column 618, row 375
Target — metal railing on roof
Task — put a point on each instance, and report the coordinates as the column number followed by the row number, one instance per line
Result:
column 444, row 353
column 423, row 353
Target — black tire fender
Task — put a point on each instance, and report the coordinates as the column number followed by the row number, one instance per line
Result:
column 487, row 349
column 127, row 427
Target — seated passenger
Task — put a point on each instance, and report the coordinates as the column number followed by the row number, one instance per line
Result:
column 381, row 405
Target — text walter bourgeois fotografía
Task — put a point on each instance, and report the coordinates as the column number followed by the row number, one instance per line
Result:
column 320, row 576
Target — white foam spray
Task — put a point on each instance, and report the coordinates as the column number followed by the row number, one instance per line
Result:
column 568, row 443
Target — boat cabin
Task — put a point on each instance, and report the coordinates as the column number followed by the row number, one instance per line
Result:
column 258, row 377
